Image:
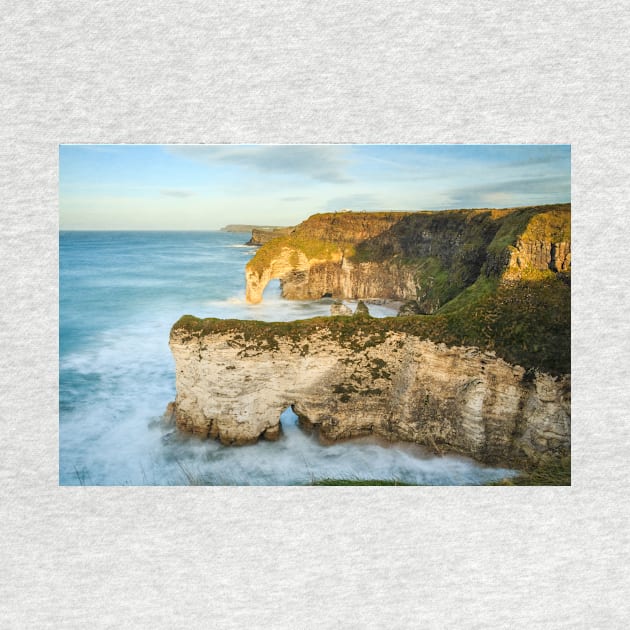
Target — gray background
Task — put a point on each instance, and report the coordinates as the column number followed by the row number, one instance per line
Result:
column 282, row 72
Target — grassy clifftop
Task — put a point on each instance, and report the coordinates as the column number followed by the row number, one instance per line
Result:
column 552, row 222
column 526, row 323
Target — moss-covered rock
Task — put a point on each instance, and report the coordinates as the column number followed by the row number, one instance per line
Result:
column 410, row 307
column 362, row 310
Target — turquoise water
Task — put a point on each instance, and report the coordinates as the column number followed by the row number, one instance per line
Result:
column 120, row 293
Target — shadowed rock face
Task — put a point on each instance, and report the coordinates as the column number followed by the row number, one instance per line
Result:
column 404, row 388
column 429, row 257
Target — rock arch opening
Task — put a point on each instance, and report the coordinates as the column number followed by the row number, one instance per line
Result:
column 273, row 290
column 289, row 419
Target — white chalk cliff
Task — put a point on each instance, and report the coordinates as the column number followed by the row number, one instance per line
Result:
column 456, row 399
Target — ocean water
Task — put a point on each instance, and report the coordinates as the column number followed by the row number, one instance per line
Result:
column 120, row 293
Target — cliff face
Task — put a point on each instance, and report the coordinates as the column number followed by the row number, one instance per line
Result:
column 429, row 257
column 233, row 384
column 304, row 278
column 541, row 243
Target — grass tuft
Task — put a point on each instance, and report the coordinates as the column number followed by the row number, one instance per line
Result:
column 550, row 472
column 359, row 482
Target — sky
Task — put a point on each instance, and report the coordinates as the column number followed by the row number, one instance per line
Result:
column 204, row 187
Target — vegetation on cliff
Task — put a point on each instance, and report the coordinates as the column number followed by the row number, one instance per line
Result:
column 312, row 248
column 551, row 471
column 526, row 323
column 550, row 223
column 263, row 235
column 443, row 252
column 359, row 482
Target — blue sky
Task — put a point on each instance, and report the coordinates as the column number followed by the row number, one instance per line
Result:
column 204, row 187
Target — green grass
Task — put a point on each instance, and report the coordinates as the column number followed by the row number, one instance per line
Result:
column 553, row 224
column 359, row 482
column 312, row 248
column 527, row 323
column 482, row 288
column 550, row 472
column 511, row 227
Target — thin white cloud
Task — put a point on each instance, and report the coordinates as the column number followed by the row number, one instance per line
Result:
column 553, row 188
column 558, row 154
column 323, row 163
column 356, row 202
column 173, row 192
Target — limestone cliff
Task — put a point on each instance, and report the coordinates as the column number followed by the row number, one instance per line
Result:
column 353, row 376
column 429, row 257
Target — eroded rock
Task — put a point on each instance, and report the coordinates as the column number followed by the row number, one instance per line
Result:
column 339, row 308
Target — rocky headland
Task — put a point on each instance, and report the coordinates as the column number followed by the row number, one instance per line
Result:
column 429, row 257
column 485, row 371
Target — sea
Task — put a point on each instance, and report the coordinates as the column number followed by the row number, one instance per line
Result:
column 119, row 295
